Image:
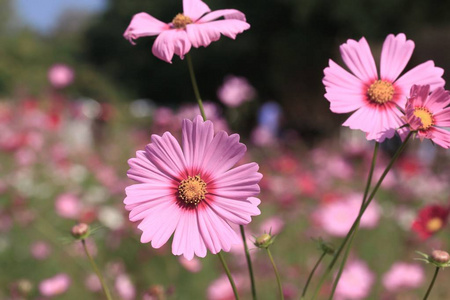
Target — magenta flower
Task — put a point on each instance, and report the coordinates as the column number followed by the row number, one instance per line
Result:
column 374, row 99
column 196, row 26
column 192, row 190
column 426, row 114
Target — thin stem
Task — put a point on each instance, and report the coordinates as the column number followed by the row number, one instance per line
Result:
column 431, row 284
column 369, row 178
column 249, row 262
column 227, row 271
column 277, row 275
column 195, row 86
column 99, row 275
column 363, row 209
column 311, row 274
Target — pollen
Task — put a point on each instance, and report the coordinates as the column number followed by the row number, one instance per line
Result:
column 180, row 21
column 434, row 224
column 425, row 117
column 192, row 190
column 381, row 91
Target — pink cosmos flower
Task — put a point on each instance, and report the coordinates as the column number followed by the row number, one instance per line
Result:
column 55, row 285
column 192, row 190
column 356, row 281
column 125, row 287
column 403, row 276
column 235, row 91
column 40, row 250
column 426, row 113
column 60, row 75
column 220, row 289
column 194, row 265
column 68, row 206
column 374, row 99
column 196, row 26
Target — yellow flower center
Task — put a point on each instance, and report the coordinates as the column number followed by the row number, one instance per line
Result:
column 434, row 224
column 180, row 21
column 192, row 190
column 425, row 117
column 381, row 91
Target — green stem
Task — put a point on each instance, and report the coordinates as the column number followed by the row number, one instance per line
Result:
column 363, row 209
column 227, row 271
column 195, row 86
column 431, row 284
column 99, row 275
column 277, row 275
column 249, row 262
column 311, row 274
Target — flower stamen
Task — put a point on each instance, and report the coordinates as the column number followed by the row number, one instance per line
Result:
column 181, row 21
column 434, row 224
column 425, row 116
column 381, row 91
column 192, row 190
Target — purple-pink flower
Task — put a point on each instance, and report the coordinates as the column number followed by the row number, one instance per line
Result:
column 428, row 114
column 192, row 190
column 403, row 276
column 196, row 26
column 356, row 281
column 374, row 98
column 55, row 285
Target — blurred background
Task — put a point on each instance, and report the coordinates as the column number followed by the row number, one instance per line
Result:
column 77, row 100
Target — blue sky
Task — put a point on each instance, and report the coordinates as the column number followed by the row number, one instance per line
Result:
column 43, row 14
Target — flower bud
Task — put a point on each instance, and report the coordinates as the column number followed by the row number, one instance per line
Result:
column 264, row 240
column 440, row 256
column 80, row 231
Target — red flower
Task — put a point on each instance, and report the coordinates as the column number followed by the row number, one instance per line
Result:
column 430, row 220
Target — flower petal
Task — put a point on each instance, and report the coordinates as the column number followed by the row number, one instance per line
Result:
column 437, row 100
column 234, row 211
column 441, row 137
column 194, row 9
column 196, row 136
column 202, row 34
column 344, row 90
column 442, row 118
column 144, row 171
column 187, row 240
column 144, row 192
column 422, row 74
column 359, row 59
column 226, row 13
column 170, row 42
column 143, row 24
column 395, row 55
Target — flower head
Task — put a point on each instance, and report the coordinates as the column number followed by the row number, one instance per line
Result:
column 192, row 190
column 60, row 75
column 403, row 276
column 356, row 281
column 196, row 26
column 55, row 285
column 426, row 114
column 374, row 98
column 430, row 220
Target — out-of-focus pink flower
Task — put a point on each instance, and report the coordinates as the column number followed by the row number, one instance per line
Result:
column 25, row 157
column 220, row 289
column 68, row 206
column 40, row 250
column 196, row 26
column 356, row 281
column 78, row 249
column 262, row 136
column 125, row 287
column 428, row 114
column 93, row 283
column 60, row 75
column 375, row 99
column 192, row 191
column 235, row 91
column 274, row 225
column 194, row 265
column 403, row 276
column 55, row 285
column 337, row 217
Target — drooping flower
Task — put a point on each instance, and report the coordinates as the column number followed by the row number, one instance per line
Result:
column 192, row 190
column 196, row 26
column 426, row 113
column 374, row 98
column 430, row 220
column 403, row 276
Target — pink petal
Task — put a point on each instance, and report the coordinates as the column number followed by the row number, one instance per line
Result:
column 143, row 24
column 226, row 13
column 344, row 90
column 358, row 58
column 437, row 100
column 234, row 211
column 187, row 240
column 194, row 9
column 395, row 55
column 422, row 74
column 441, row 137
column 144, row 192
column 170, row 42
column 442, row 118
column 196, row 136
column 216, row 232
column 143, row 170
column 165, row 153
column 202, row 34
column 222, row 154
